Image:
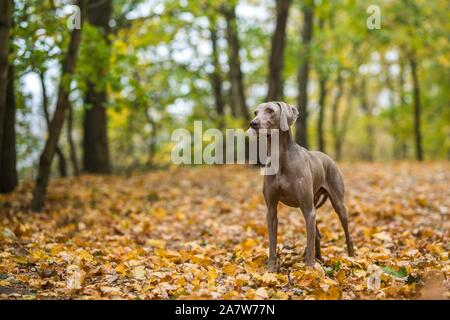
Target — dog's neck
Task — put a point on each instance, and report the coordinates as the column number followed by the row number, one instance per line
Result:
column 285, row 142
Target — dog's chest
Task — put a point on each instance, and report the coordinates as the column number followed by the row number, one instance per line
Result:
column 285, row 189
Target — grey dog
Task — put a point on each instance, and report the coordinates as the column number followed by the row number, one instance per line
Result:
column 305, row 179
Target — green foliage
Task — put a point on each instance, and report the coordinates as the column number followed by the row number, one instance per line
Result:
column 160, row 69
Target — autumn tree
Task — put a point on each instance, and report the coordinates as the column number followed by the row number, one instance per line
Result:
column 216, row 75
column 303, row 73
column 276, row 59
column 238, row 103
column 62, row 165
column 95, row 139
column 62, row 104
column 5, row 30
column 8, row 171
column 417, row 106
column 8, row 168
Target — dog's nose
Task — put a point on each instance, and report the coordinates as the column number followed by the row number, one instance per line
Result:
column 254, row 124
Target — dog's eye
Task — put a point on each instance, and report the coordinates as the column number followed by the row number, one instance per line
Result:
column 269, row 110
column 255, row 113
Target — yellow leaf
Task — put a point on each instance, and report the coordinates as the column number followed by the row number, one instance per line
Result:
column 201, row 260
column 242, row 279
column 269, row 278
column 139, row 272
column 281, row 295
column 340, row 276
column 249, row 243
column 156, row 243
column 159, row 212
column 84, row 255
column 161, row 252
column 212, row 276
column 121, row 269
column 229, row 269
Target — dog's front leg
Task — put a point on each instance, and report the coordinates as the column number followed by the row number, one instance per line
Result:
column 272, row 225
column 310, row 218
column 309, row 213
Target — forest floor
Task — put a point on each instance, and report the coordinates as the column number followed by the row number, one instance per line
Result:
column 201, row 233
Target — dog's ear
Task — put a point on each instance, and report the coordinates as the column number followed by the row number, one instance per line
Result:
column 288, row 115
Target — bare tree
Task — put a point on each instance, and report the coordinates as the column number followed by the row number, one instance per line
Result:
column 276, row 60
column 62, row 104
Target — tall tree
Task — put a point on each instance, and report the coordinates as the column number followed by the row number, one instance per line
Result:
column 95, row 140
column 72, row 148
column 321, row 117
column 417, row 106
column 62, row 166
column 5, row 30
column 322, row 71
column 238, row 103
column 335, row 115
column 276, row 60
column 367, row 108
column 303, row 73
column 68, row 69
column 8, row 169
column 216, row 76
column 342, row 130
column 403, row 150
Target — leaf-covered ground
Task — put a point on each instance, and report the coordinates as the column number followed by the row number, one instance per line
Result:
column 200, row 233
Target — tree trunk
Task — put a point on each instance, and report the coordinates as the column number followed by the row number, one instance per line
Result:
column 72, row 148
column 152, row 140
column 417, row 107
column 57, row 122
column 5, row 27
column 276, row 60
column 401, row 83
column 62, row 167
column 303, row 75
column 95, row 140
column 8, row 169
column 392, row 111
column 216, row 76
column 238, row 103
column 367, row 109
column 343, row 128
column 320, row 119
column 335, row 116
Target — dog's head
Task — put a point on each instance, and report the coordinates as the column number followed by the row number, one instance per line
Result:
column 273, row 115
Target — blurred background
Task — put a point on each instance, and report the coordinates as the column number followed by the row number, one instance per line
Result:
column 370, row 79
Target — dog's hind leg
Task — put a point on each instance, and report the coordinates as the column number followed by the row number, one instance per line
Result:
column 338, row 204
column 318, row 237
column 335, row 192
